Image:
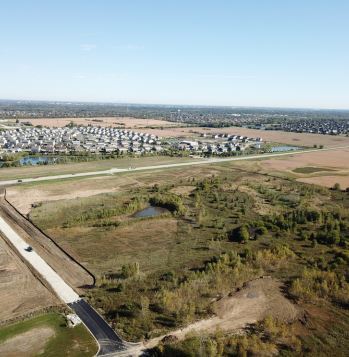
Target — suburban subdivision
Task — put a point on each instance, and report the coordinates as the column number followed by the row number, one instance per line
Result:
column 162, row 255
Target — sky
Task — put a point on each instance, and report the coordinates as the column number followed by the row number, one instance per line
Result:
column 270, row 53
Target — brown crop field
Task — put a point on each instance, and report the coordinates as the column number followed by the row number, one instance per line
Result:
column 327, row 181
column 334, row 159
column 124, row 122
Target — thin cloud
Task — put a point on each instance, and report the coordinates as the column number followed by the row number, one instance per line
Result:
column 129, row 47
column 227, row 76
column 79, row 76
column 87, row 47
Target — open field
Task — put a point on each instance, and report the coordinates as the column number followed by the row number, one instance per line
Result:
column 123, row 122
column 21, row 292
column 162, row 274
column 335, row 159
column 327, row 163
column 322, row 168
column 25, row 195
column 46, row 335
column 97, row 165
column 327, row 181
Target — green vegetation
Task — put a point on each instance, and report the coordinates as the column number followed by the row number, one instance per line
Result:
column 310, row 170
column 228, row 227
column 66, row 341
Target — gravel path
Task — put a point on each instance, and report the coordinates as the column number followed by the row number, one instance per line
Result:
column 63, row 291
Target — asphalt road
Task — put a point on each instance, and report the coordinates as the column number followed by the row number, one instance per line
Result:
column 110, row 343
column 113, row 171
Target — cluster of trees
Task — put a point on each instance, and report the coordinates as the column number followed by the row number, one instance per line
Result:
column 172, row 202
column 315, row 284
column 99, row 216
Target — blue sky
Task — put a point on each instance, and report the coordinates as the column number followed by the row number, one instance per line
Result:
column 284, row 53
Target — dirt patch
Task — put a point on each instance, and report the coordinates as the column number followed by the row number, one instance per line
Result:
column 256, row 300
column 327, row 181
column 34, row 196
column 183, row 190
column 30, row 343
column 20, row 292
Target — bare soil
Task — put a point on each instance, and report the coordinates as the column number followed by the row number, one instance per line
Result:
column 256, row 300
column 30, row 343
column 20, row 292
column 327, row 181
column 35, row 196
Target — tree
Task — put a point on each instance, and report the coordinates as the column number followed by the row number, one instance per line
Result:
column 240, row 234
column 337, row 186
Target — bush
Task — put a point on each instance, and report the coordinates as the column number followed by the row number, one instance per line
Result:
column 170, row 201
column 130, row 270
column 240, row 234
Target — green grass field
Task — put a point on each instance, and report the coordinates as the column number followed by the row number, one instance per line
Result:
column 310, row 170
column 77, row 341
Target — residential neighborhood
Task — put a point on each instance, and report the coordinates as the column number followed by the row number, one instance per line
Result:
column 74, row 139
column 220, row 144
column 96, row 139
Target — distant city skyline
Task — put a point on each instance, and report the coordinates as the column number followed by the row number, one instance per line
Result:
column 236, row 54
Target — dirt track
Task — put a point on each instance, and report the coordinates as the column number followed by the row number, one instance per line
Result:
column 20, row 292
column 70, row 271
column 256, row 300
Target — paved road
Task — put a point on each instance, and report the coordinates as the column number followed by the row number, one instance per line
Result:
column 110, row 343
column 113, row 171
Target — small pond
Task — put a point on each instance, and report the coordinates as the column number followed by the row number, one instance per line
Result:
column 150, row 211
column 35, row 160
column 284, row 148
column 32, row 160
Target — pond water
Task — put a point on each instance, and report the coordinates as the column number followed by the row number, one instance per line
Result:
column 284, row 148
column 150, row 211
column 34, row 160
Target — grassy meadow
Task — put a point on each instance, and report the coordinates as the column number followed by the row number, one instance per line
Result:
column 223, row 227
column 75, row 342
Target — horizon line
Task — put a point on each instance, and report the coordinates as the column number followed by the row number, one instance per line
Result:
column 174, row 105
